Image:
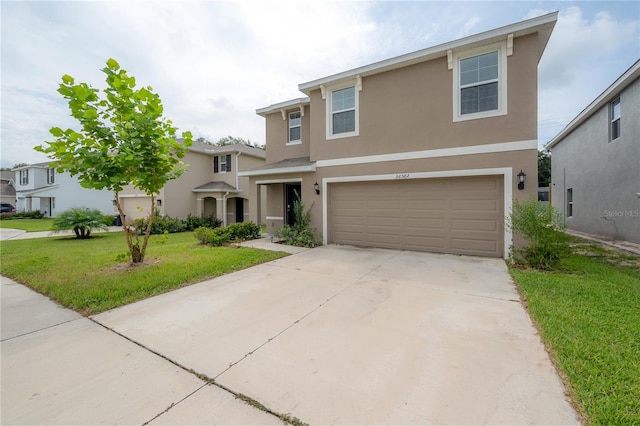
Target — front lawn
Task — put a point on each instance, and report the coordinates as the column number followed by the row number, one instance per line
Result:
column 29, row 225
column 84, row 275
column 588, row 313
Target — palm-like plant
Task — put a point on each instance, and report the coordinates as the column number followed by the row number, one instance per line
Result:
column 82, row 220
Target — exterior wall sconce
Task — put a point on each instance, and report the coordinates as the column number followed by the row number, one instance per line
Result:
column 159, row 202
column 317, row 188
column 521, row 177
column 114, row 203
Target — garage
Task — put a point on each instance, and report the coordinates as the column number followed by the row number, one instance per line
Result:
column 462, row 215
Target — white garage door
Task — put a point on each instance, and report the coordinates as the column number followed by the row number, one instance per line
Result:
column 450, row 215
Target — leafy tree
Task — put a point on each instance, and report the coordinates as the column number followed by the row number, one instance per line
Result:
column 544, row 168
column 230, row 140
column 82, row 220
column 123, row 140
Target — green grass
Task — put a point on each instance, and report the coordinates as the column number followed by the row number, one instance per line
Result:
column 588, row 313
column 29, row 225
column 84, row 275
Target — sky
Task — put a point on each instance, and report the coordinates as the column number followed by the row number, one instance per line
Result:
column 214, row 63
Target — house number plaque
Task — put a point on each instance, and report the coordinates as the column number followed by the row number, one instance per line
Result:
column 403, row 176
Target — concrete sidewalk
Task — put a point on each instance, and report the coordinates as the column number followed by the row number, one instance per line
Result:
column 61, row 368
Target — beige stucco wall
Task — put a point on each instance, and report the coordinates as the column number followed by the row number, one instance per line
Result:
column 411, row 109
column 277, row 133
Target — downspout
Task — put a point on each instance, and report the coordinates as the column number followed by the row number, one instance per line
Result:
column 224, row 209
column 238, row 154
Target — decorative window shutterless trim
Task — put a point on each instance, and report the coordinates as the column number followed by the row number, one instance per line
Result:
column 295, row 127
column 615, row 119
column 343, row 109
column 480, row 82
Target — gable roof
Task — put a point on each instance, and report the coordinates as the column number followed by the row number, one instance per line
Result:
column 628, row 77
column 205, row 148
column 542, row 24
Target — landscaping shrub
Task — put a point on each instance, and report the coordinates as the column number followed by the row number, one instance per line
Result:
column 300, row 234
column 160, row 225
column 235, row 232
column 33, row 214
column 109, row 219
column 213, row 237
column 192, row 223
column 243, row 231
column 82, row 220
column 543, row 228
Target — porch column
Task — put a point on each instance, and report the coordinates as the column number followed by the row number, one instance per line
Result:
column 199, row 206
column 221, row 210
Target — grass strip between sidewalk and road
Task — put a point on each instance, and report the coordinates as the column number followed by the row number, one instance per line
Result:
column 588, row 314
column 86, row 276
column 29, row 225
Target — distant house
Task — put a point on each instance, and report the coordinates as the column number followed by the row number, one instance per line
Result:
column 210, row 186
column 7, row 187
column 423, row 151
column 595, row 163
column 40, row 187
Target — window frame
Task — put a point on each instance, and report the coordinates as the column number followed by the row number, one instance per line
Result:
column 51, row 176
column 329, row 109
column 24, row 177
column 222, row 166
column 569, row 202
column 289, row 127
column 501, row 48
column 615, row 123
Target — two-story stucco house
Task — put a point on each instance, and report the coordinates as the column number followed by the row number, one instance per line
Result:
column 210, row 186
column 40, row 187
column 418, row 152
column 595, row 163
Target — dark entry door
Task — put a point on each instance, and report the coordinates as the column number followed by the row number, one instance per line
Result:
column 239, row 210
column 292, row 194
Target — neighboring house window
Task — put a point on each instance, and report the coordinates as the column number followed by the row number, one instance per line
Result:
column 222, row 163
column 480, row 83
column 343, row 110
column 570, row 202
column 51, row 176
column 615, row 119
column 294, row 127
column 24, row 177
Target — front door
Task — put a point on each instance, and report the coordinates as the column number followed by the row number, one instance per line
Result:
column 239, row 210
column 292, row 194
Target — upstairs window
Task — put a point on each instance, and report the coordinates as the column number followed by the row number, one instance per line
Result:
column 480, row 83
column 24, row 177
column 342, row 102
column 615, row 119
column 222, row 163
column 51, row 176
column 343, row 111
column 295, row 123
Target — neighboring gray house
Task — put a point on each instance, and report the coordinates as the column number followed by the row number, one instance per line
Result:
column 40, row 187
column 595, row 163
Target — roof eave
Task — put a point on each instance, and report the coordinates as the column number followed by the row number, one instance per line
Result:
column 282, row 105
column 542, row 24
column 628, row 77
column 281, row 170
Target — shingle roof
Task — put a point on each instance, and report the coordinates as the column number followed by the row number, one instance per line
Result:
column 215, row 187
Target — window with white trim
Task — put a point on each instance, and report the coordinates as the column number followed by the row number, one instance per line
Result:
column 295, row 126
column 223, row 163
column 615, row 119
column 343, row 111
column 480, row 83
column 51, row 176
column 24, row 177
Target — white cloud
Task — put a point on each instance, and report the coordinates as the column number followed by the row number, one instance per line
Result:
column 214, row 63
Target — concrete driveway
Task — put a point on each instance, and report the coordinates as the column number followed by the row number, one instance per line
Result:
column 344, row 335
